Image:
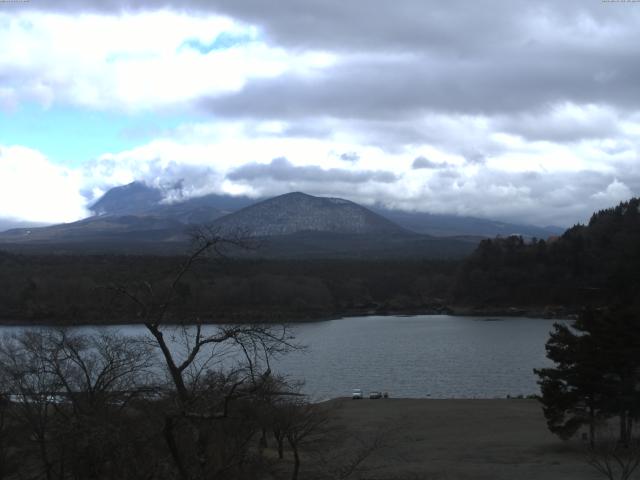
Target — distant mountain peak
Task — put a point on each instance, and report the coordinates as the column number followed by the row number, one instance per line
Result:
column 297, row 212
column 135, row 197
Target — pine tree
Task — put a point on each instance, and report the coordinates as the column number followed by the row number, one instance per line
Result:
column 596, row 376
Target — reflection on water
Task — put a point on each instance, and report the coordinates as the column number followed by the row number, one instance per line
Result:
column 430, row 355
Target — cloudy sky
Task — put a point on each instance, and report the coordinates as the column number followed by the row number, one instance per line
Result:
column 518, row 110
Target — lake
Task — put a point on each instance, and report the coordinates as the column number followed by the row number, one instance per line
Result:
column 436, row 356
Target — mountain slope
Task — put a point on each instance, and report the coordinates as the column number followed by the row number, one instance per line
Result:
column 134, row 198
column 135, row 218
column 441, row 225
column 105, row 228
column 9, row 223
column 140, row 199
column 298, row 212
column 137, row 198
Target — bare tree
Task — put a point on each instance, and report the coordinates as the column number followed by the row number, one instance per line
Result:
column 308, row 432
column 613, row 459
column 8, row 457
column 207, row 399
column 301, row 423
column 29, row 384
column 69, row 390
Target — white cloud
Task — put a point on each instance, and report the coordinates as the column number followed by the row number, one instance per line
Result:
column 615, row 192
column 34, row 189
column 134, row 61
column 529, row 181
column 540, row 127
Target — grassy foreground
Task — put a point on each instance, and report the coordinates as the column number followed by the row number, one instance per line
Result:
column 458, row 439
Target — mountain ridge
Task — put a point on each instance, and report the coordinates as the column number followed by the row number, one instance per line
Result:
column 137, row 218
column 142, row 199
column 296, row 212
column 293, row 225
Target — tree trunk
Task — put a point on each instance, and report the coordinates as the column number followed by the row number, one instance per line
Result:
column 296, row 464
column 174, row 371
column 296, row 460
column 624, row 430
column 277, row 434
column 45, row 458
column 592, row 427
column 263, row 439
column 280, row 449
column 173, row 447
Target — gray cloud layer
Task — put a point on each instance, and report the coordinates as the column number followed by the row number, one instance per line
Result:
column 419, row 72
column 423, row 162
column 281, row 170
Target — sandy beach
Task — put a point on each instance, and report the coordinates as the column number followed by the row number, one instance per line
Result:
column 460, row 439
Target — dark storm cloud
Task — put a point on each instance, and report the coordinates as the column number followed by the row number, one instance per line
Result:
column 281, row 170
column 392, row 87
column 399, row 59
column 360, row 25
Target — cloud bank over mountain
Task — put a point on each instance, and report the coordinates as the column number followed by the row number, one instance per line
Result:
column 506, row 109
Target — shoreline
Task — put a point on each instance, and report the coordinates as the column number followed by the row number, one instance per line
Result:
column 555, row 313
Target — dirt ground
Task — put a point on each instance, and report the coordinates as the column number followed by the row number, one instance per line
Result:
column 459, row 439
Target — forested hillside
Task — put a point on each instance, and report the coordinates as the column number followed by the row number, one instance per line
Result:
column 68, row 289
column 594, row 264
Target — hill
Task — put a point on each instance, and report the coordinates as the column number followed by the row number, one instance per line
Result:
column 593, row 264
column 298, row 212
column 441, row 225
column 139, row 199
column 296, row 225
column 137, row 218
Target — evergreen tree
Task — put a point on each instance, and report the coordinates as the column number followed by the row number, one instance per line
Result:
column 596, row 376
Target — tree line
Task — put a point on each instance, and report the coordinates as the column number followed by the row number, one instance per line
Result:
column 70, row 289
column 589, row 265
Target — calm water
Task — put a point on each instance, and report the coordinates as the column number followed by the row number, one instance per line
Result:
column 431, row 355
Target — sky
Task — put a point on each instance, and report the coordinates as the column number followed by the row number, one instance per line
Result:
column 515, row 110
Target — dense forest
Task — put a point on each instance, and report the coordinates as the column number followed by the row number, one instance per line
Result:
column 593, row 264
column 68, row 289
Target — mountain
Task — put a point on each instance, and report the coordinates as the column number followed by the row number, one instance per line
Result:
column 139, row 199
column 298, row 212
column 295, row 225
column 441, row 225
column 116, row 230
column 133, row 198
column 136, row 218
column 8, row 223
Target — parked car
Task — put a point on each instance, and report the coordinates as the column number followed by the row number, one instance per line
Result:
column 375, row 395
column 357, row 394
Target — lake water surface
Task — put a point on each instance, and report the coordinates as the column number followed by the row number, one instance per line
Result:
column 437, row 356
column 431, row 355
